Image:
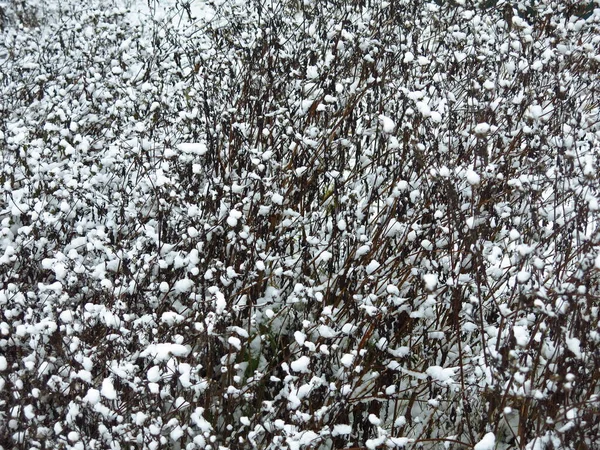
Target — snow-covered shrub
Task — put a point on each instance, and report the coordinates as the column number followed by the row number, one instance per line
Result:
column 316, row 224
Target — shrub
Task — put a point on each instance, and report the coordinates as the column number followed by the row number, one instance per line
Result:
column 301, row 225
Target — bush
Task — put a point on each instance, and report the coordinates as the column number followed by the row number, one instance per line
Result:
column 297, row 225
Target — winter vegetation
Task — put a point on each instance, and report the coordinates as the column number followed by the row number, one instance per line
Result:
column 299, row 224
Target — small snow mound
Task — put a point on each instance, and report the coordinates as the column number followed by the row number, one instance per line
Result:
column 277, row 198
column 341, row 430
column 301, row 364
column 482, row 129
column 431, row 281
column 473, row 178
column 108, row 390
column 440, row 374
column 195, row 148
column 387, row 124
column 487, row 443
column 372, row 267
column 164, row 351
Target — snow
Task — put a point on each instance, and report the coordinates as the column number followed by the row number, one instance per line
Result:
column 393, row 229
column 220, row 303
column 183, row 285
column 521, row 335
column 301, row 364
column 535, row 112
column 341, row 430
column 431, row 281
column 194, row 148
column 327, row 332
column 235, row 342
column 362, row 250
column 441, row 374
column 523, row 276
column 153, row 374
column 392, row 290
column 387, row 124
column 347, row 360
column 92, row 396
column 435, row 117
column 164, row 351
column 108, row 389
column 424, row 109
column 349, row 328
column 482, row 129
column 372, row 267
column 66, row 316
column 488, row 442
column 73, row 436
column 300, row 337
column 277, row 198
column 171, row 318
column 374, row 420
column 144, row 241
column 472, row 177
column 234, row 216
column 427, row 244
column 574, row 346
column 324, row 256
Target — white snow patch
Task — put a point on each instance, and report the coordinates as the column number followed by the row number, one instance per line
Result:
column 392, row 290
column 424, row 109
column 372, row 267
column 435, row 117
column 195, row 148
column 234, row 216
column 93, row 396
column 277, row 198
column 482, row 129
column 521, row 335
column 300, row 337
column 184, row 285
column 440, row 374
column 394, row 228
column 487, row 443
column 347, row 360
column 431, row 281
column 326, row 332
column 341, row 430
column 573, row 344
column 164, row 351
column 235, row 342
column 153, row 374
column 65, row 317
column 108, row 390
column 387, row 124
column 349, row 328
column 362, row 250
column 473, row 178
column 523, row 276
column 324, row 256
column 220, row 303
column 301, row 364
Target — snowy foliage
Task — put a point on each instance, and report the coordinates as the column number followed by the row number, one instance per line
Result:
column 285, row 224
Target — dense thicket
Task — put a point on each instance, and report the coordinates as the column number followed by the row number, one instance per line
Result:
column 300, row 224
